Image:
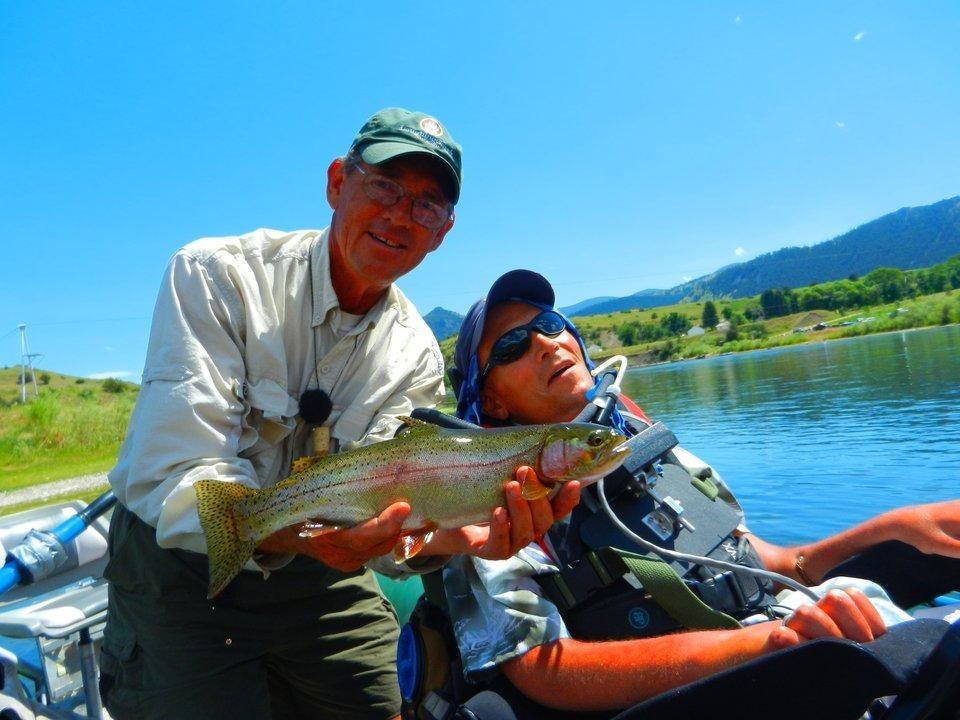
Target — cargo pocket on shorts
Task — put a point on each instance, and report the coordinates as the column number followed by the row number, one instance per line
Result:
column 118, row 673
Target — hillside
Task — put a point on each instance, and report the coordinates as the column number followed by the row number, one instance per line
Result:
column 73, row 428
column 907, row 239
column 571, row 310
column 444, row 323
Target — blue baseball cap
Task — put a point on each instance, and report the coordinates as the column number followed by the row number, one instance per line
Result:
column 524, row 285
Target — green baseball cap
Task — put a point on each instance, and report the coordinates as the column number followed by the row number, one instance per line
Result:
column 393, row 132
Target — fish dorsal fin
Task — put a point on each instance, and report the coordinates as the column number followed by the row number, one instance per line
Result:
column 411, row 426
column 292, row 480
column 299, row 466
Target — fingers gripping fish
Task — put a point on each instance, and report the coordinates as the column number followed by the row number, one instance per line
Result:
column 450, row 478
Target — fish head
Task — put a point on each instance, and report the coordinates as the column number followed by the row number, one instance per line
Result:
column 580, row 451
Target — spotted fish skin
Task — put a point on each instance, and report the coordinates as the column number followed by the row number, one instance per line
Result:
column 450, row 478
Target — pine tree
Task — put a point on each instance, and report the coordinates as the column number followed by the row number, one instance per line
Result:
column 709, row 318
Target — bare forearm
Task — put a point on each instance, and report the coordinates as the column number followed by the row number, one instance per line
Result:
column 575, row 675
column 820, row 556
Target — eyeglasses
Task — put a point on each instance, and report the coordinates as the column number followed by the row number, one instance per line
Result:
column 386, row 192
column 513, row 344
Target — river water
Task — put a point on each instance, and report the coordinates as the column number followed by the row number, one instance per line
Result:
column 814, row 438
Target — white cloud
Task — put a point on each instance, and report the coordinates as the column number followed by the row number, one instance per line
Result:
column 840, row 124
column 110, row 374
column 687, row 278
column 860, row 36
column 739, row 251
column 736, row 20
column 109, row 348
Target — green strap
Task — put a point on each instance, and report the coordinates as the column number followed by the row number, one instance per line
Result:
column 669, row 591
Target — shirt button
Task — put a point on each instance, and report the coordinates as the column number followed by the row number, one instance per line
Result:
column 325, row 369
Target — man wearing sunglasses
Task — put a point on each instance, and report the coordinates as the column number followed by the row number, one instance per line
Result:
column 519, row 361
column 256, row 341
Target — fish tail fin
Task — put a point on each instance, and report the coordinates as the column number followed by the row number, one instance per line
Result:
column 227, row 552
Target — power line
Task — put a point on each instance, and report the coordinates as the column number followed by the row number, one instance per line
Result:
column 26, row 360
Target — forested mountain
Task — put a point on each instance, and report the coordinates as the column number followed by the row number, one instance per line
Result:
column 444, row 323
column 908, row 238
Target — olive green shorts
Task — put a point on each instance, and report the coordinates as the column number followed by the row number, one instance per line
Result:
column 307, row 642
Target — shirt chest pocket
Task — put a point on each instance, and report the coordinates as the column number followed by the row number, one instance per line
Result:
column 269, row 415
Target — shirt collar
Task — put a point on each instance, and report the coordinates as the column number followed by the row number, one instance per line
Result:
column 325, row 297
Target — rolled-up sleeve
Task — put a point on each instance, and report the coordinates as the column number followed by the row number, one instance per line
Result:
column 188, row 420
column 498, row 610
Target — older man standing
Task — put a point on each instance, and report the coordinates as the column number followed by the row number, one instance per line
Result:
column 256, row 340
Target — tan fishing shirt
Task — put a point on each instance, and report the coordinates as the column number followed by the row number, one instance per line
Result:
column 242, row 327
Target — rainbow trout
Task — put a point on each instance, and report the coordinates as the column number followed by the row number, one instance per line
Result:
column 450, row 478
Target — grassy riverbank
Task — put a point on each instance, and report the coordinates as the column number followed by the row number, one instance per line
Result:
column 927, row 311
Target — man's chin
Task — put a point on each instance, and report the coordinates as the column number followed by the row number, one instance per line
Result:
column 573, row 402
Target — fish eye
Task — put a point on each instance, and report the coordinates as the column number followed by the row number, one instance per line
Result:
column 595, row 439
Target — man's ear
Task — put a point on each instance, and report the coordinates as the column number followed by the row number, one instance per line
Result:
column 442, row 232
column 335, row 175
column 492, row 404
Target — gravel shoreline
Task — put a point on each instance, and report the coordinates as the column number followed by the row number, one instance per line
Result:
column 53, row 489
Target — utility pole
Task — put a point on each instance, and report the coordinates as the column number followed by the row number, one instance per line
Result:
column 26, row 361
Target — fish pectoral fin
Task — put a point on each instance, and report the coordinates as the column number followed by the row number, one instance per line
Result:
column 532, row 488
column 412, row 543
column 312, row 529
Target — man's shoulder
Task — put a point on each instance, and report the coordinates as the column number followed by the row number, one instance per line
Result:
column 261, row 246
column 409, row 317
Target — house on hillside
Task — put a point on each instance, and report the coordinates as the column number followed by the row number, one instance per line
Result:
column 722, row 326
column 695, row 331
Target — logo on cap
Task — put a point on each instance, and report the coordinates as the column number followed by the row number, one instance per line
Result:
column 430, row 125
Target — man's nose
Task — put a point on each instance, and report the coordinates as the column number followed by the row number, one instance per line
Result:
column 400, row 213
column 543, row 344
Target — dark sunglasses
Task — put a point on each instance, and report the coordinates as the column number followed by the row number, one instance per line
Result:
column 512, row 345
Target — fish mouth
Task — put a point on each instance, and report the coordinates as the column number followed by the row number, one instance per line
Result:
column 386, row 241
column 621, row 449
column 616, row 456
column 613, row 459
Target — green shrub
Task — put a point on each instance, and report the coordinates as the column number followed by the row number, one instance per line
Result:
column 45, row 378
column 80, row 381
column 112, row 385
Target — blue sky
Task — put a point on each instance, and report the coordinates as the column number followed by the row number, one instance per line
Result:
column 623, row 147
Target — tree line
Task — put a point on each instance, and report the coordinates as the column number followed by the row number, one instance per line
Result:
column 883, row 285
